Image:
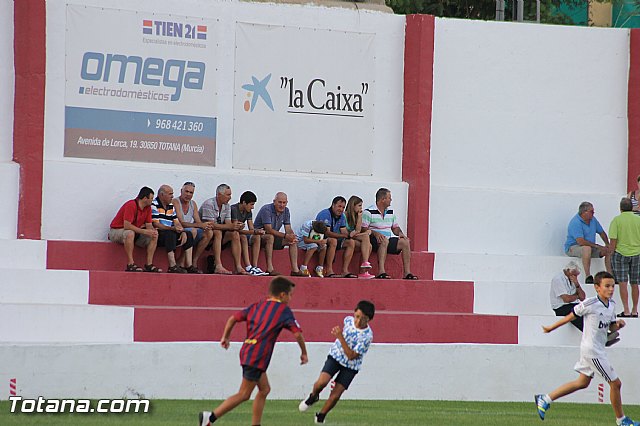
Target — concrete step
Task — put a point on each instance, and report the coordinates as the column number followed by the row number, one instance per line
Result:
column 107, row 256
column 43, row 323
column 162, row 324
column 134, row 289
column 23, row 254
column 44, row 286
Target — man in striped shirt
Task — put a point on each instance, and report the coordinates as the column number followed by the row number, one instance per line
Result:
column 386, row 235
column 265, row 320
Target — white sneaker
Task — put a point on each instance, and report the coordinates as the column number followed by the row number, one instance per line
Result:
column 306, row 403
column 259, row 272
column 320, row 271
column 203, row 418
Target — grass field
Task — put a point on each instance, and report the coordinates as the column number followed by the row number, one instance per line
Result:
column 285, row 413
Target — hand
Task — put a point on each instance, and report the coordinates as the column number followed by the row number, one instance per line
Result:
column 546, row 329
column 224, row 342
column 179, row 228
column 379, row 237
column 290, row 238
column 621, row 323
column 208, row 226
column 352, row 234
column 304, row 359
column 238, row 226
column 153, row 233
column 336, row 331
column 258, row 231
column 183, row 238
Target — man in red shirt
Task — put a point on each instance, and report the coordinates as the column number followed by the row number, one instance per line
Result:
column 132, row 225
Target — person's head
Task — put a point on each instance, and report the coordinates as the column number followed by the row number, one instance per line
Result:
column 223, row 193
column 319, row 226
column 165, row 194
column 364, row 313
column 586, row 210
column 354, row 206
column 572, row 268
column 145, row 196
column 383, row 198
column 281, row 288
column 604, row 284
column 248, row 201
column 280, row 202
column 625, row 205
column 186, row 193
column 337, row 205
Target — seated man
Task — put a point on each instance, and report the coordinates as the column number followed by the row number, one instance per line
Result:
column 132, row 225
column 337, row 237
column 581, row 239
column 217, row 212
column 242, row 213
column 566, row 293
column 386, row 235
column 171, row 234
column 271, row 218
column 187, row 212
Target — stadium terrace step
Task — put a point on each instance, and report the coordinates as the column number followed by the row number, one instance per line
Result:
column 44, row 286
column 107, row 256
column 160, row 324
column 41, row 323
column 135, row 289
column 23, row 254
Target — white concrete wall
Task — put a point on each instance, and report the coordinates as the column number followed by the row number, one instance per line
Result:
column 98, row 188
column 528, row 121
column 459, row 372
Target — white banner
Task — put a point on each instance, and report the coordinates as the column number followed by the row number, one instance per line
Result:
column 140, row 86
column 304, row 99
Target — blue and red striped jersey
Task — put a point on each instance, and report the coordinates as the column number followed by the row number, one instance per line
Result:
column 265, row 320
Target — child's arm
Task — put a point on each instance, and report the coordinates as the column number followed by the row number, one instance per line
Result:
column 560, row 323
column 350, row 353
column 617, row 325
column 303, row 348
column 231, row 322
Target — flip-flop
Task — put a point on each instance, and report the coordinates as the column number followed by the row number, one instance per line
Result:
column 383, row 276
column 225, row 272
column 634, row 315
column 350, row 275
column 410, row 276
column 334, row 276
column 623, row 315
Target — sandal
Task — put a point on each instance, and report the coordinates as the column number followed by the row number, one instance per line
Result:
column 193, row 270
column 176, row 270
column 151, row 268
column 623, row 315
column 350, row 275
column 410, row 276
column 383, row 276
column 334, row 276
column 634, row 315
column 132, row 267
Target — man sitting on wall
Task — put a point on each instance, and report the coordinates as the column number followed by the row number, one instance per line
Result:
column 337, row 237
column 187, row 212
column 132, row 225
column 386, row 235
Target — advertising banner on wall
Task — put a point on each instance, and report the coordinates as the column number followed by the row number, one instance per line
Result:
column 304, row 99
column 140, row 86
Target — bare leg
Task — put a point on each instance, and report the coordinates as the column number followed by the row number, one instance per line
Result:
column 333, row 399
column 403, row 244
column 187, row 256
column 586, row 260
column 607, row 263
column 255, row 249
column 151, row 249
column 217, row 251
column 129, row 239
column 268, row 250
column 202, row 244
column 634, row 298
column 331, row 254
column 382, row 255
column 624, row 296
column 308, row 254
column 261, row 398
column 236, row 250
column 349, row 247
column 616, row 398
column 581, row 382
column 246, row 387
column 171, row 256
column 321, row 383
column 244, row 248
column 293, row 257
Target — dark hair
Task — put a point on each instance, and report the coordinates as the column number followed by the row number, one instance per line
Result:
column 597, row 279
column 367, row 308
column 248, row 197
column 144, row 192
column 626, row 205
column 381, row 193
column 319, row 226
column 584, row 206
column 337, row 199
column 280, row 285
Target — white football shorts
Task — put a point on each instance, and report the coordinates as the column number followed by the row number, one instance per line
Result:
column 589, row 366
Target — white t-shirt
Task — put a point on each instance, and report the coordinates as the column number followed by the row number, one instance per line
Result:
column 357, row 339
column 597, row 318
column 560, row 285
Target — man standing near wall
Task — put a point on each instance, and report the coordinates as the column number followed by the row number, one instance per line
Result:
column 624, row 231
column 581, row 239
column 386, row 235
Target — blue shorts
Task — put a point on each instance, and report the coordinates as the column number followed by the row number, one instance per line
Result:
column 199, row 235
column 250, row 373
column 345, row 375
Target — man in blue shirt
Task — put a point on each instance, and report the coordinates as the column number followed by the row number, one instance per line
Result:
column 581, row 239
column 337, row 237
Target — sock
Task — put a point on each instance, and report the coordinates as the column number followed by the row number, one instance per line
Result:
column 619, row 420
column 212, row 417
column 546, row 398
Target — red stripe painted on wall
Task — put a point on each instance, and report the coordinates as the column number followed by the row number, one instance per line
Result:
column 28, row 125
column 633, row 110
column 418, row 93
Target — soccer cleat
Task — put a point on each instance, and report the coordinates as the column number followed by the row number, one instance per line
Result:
column 319, row 418
column 320, row 271
column 626, row 421
column 306, row 403
column 203, row 418
column 542, row 405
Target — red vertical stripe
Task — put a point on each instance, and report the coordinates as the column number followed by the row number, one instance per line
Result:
column 418, row 93
column 633, row 111
column 28, row 125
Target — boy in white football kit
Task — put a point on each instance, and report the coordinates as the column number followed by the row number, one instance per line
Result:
column 599, row 316
column 345, row 358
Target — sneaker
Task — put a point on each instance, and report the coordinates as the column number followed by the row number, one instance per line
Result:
column 305, row 271
column 257, row 272
column 366, row 276
column 365, row 265
column 320, row 271
column 626, row 421
column 589, row 280
column 203, row 418
column 306, row 403
column 319, row 418
column 542, row 405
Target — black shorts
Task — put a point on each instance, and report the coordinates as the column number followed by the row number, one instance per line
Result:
column 392, row 248
column 252, row 374
column 345, row 375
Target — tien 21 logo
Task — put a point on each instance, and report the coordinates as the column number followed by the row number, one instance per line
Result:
column 174, row 29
